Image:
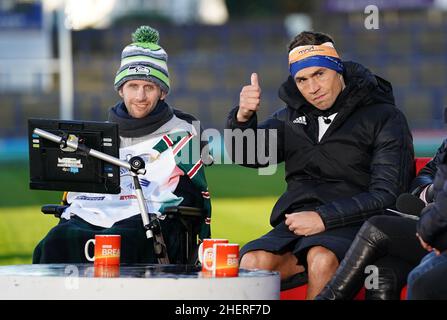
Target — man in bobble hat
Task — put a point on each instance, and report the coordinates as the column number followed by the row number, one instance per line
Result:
column 151, row 129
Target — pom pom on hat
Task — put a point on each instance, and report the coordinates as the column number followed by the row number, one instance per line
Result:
column 146, row 34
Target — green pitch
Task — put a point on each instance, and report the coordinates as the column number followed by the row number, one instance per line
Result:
column 241, row 202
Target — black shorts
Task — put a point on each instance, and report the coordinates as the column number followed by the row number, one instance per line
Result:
column 281, row 240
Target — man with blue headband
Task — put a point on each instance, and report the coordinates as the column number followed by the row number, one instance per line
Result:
column 348, row 154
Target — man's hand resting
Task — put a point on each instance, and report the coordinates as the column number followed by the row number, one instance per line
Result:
column 304, row 223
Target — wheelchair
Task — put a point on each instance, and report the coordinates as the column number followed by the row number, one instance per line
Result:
column 189, row 217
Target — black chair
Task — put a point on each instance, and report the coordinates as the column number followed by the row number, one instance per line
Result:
column 190, row 219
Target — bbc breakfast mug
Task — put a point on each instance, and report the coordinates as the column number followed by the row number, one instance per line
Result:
column 225, row 260
column 206, row 254
column 107, row 271
column 107, row 249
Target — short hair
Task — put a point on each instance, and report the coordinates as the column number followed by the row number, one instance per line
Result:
column 308, row 38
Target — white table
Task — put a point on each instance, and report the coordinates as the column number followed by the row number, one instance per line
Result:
column 141, row 281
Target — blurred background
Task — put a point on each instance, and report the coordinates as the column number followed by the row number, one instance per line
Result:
column 58, row 59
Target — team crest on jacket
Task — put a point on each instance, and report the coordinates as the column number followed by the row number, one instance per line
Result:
column 300, row 120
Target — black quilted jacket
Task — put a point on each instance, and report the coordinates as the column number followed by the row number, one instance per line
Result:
column 427, row 174
column 432, row 226
column 360, row 166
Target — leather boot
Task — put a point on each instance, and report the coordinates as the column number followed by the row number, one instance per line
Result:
column 387, row 288
column 392, row 277
column 369, row 244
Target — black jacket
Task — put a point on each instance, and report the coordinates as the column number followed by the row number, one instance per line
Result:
column 427, row 174
column 432, row 226
column 362, row 163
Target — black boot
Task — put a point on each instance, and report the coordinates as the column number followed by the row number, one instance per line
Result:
column 369, row 244
column 387, row 288
column 392, row 276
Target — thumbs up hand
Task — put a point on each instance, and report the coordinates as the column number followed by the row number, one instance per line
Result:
column 249, row 100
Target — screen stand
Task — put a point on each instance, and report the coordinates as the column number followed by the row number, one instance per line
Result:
column 135, row 165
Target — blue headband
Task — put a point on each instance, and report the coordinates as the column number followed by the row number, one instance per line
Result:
column 317, row 61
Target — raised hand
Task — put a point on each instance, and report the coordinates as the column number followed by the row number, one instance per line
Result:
column 250, row 99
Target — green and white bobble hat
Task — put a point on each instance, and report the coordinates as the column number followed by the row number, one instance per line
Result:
column 144, row 59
